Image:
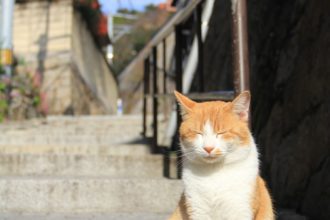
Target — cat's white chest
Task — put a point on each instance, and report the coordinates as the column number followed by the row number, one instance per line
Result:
column 224, row 195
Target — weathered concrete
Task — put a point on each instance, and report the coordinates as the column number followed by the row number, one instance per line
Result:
column 61, row 140
column 91, row 67
column 88, row 195
column 82, row 168
column 52, row 39
column 130, row 166
column 82, row 131
column 97, row 216
column 135, row 149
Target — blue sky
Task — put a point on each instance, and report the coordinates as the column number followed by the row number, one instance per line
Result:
column 113, row 5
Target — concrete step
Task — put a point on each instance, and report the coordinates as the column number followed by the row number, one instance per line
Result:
column 82, row 149
column 80, row 124
column 114, row 138
column 71, row 130
column 93, row 118
column 88, row 195
column 83, row 127
column 129, row 166
column 88, row 216
column 95, row 121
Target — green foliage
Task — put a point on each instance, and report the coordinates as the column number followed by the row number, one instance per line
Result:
column 36, row 101
column 24, row 99
column 3, row 101
column 3, row 109
column 140, row 38
column 121, row 21
column 2, row 87
column 150, row 7
column 1, row 71
column 128, row 46
column 127, row 11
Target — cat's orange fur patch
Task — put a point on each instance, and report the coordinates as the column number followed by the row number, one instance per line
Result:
column 182, row 210
column 217, row 151
column 261, row 202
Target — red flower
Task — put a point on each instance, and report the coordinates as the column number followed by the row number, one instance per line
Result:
column 103, row 26
column 95, row 5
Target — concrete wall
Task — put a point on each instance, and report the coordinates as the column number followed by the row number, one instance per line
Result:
column 91, row 65
column 42, row 29
column 50, row 39
column 42, row 42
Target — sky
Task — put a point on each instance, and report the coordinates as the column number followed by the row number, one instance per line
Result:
column 113, row 5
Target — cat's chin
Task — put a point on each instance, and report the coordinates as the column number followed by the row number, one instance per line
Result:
column 212, row 160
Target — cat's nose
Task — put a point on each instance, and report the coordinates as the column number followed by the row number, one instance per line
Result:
column 208, row 149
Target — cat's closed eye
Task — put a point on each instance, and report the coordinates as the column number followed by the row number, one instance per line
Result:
column 221, row 132
column 197, row 132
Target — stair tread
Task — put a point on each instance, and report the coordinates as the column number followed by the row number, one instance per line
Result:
column 88, row 195
column 86, row 216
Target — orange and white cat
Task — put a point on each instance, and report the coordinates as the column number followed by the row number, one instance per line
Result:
column 220, row 163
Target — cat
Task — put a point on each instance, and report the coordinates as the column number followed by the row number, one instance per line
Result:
column 220, row 163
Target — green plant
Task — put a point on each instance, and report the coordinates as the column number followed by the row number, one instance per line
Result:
column 24, row 99
column 150, row 7
column 142, row 30
column 3, row 101
column 2, row 71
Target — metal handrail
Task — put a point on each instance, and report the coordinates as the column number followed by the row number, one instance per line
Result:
column 175, row 24
column 206, row 96
column 169, row 27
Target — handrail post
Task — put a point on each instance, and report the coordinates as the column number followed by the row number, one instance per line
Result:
column 200, row 67
column 164, row 66
column 240, row 46
column 178, row 65
column 178, row 85
column 145, row 92
column 178, row 58
column 155, row 100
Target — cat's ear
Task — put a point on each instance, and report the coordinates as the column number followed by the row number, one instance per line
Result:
column 241, row 105
column 186, row 104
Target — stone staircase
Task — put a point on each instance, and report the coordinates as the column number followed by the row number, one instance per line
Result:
column 90, row 167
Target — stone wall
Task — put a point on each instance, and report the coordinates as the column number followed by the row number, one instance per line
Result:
column 291, row 109
column 41, row 29
column 51, row 39
column 42, row 42
column 290, row 76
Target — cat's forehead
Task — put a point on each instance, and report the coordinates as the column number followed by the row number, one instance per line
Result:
column 217, row 114
column 211, row 107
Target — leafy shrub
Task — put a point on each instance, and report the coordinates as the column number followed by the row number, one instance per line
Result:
column 20, row 97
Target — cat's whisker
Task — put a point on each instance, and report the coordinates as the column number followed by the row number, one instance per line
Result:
column 184, row 159
column 181, row 162
column 186, row 153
